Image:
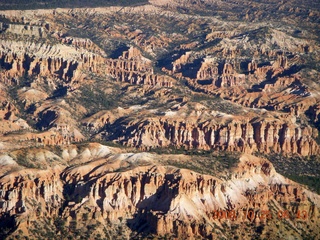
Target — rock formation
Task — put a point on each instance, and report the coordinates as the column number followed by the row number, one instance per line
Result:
column 67, row 63
column 132, row 67
column 258, row 135
column 203, row 83
column 163, row 200
column 20, row 29
column 221, row 76
column 60, row 61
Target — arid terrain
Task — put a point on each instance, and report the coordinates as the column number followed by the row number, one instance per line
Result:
column 160, row 119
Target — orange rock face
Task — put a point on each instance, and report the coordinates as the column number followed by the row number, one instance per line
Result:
column 240, row 136
column 63, row 62
column 133, row 68
column 171, row 201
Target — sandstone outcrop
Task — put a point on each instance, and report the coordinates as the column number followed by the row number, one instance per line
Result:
column 210, row 79
column 60, row 61
column 36, row 31
column 162, row 200
column 266, row 87
column 221, row 76
column 133, row 68
column 59, row 134
column 9, row 114
column 67, row 63
column 256, row 135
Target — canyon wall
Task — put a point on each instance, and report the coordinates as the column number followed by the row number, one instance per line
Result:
column 70, row 60
column 155, row 199
column 59, row 61
column 133, row 68
column 262, row 136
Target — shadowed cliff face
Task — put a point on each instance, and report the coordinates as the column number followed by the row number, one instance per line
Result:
column 152, row 199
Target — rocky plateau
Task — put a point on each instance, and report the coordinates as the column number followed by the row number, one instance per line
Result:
column 160, row 119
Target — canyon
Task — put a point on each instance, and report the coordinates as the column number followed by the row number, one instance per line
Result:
column 160, row 119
